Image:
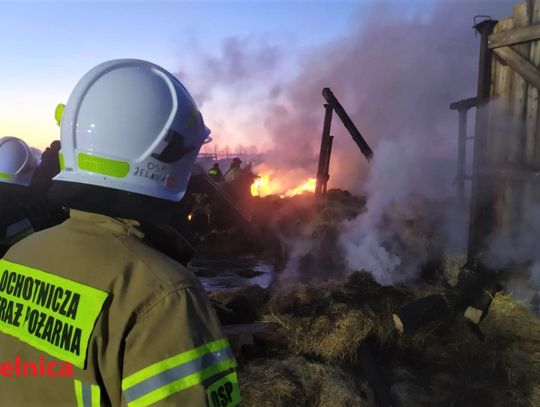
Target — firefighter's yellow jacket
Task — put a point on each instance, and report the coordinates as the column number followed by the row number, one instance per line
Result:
column 132, row 326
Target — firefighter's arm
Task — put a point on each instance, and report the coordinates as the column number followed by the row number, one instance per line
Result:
column 176, row 355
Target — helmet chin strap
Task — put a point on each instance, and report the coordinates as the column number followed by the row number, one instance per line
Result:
column 175, row 149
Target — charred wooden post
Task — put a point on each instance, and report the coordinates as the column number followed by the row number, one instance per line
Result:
column 348, row 123
column 326, row 141
column 324, row 154
column 327, row 167
column 482, row 211
column 462, row 107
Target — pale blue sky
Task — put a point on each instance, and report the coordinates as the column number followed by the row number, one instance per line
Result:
column 47, row 46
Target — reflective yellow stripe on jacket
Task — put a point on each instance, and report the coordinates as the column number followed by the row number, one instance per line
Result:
column 177, row 373
column 88, row 395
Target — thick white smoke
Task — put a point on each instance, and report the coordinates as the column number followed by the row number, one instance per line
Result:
column 411, row 178
column 395, row 73
column 407, row 191
column 518, row 247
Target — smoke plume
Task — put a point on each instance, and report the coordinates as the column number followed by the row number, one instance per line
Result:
column 395, row 73
column 517, row 247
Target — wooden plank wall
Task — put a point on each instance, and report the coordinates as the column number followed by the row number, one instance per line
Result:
column 514, row 127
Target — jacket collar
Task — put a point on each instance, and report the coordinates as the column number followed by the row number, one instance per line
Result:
column 118, row 225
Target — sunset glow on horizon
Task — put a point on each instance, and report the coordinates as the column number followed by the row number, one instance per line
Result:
column 48, row 46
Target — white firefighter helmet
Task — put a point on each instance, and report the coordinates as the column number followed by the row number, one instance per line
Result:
column 17, row 161
column 131, row 125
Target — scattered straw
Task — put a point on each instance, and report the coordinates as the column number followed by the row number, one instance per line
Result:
column 296, row 382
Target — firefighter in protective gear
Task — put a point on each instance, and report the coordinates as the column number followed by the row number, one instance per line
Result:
column 93, row 293
column 17, row 165
column 18, row 161
column 215, row 173
column 234, row 169
column 45, row 215
column 23, row 205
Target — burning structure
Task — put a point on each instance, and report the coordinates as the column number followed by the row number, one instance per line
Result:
column 402, row 317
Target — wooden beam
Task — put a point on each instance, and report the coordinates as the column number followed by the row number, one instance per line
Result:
column 514, row 173
column 519, row 64
column 531, row 124
column 464, row 104
column 327, row 168
column 348, row 123
column 515, row 36
column 324, row 154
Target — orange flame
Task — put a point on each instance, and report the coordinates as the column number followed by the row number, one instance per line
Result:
column 266, row 185
column 261, row 186
column 307, row 186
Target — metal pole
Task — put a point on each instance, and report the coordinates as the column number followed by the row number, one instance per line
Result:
column 462, row 140
column 482, row 211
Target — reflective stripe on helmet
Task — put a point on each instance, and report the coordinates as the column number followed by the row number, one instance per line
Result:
column 17, row 161
column 100, row 165
column 58, row 112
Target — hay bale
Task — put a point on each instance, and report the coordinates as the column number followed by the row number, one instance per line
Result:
column 509, row 317
column 515, row 334
column 331, row 337
column 297, row 382
column 448, row 362
column 270, row 383
column 330, row 319
column 460, row 369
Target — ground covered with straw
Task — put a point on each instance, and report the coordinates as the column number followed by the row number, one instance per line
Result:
column 313, row 357
column 334, row 342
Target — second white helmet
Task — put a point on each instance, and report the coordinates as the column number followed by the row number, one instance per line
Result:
column 131, row 125
column 17, row 161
